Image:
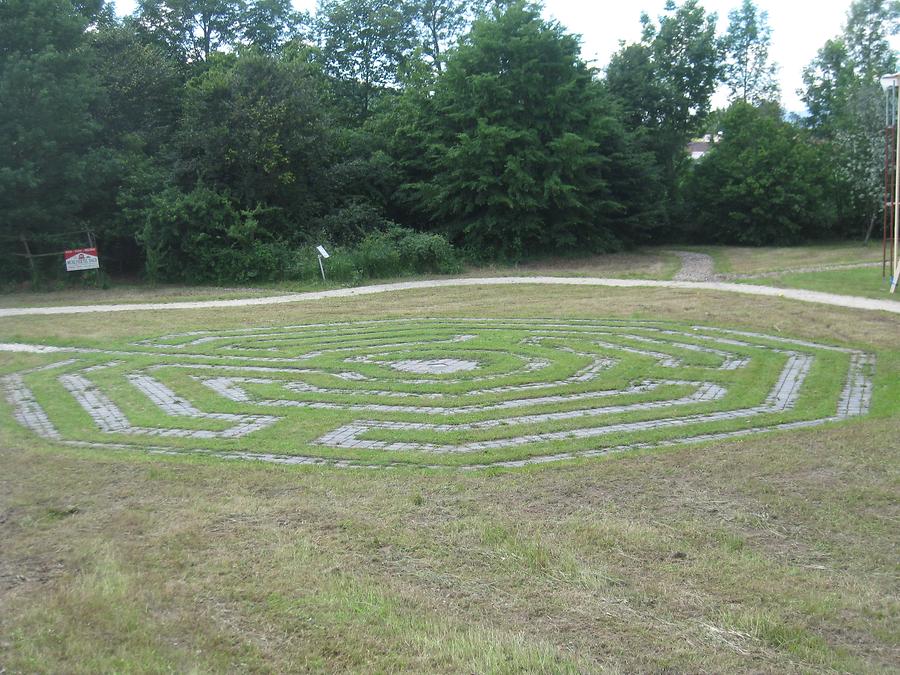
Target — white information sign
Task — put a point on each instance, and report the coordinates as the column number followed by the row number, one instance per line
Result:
column 82, row 259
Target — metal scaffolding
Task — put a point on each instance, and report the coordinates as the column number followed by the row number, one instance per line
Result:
column 890, row 257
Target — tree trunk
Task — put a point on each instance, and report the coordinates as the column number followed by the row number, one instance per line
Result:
column 869, row 231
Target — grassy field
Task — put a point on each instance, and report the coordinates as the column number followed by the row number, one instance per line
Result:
column 641, row 264
column 760, row 260
column 646, row 263
column 773, row 553
column 865, row 282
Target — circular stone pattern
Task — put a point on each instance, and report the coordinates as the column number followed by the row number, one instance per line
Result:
column 464, row 393
column 435, row 366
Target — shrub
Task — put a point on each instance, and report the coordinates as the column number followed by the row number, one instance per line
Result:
column 428, row 252
column 764, row 183
column 381, row 254
column 200, row 236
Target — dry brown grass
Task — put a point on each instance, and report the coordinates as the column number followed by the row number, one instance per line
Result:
column 641, row 264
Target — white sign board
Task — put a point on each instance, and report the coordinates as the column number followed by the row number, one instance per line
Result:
column 322, row 251
column 82, row 259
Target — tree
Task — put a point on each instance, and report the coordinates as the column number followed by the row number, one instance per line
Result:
column 364, row 44
column 859, row 56
column 441, row 23
column 255, row 128
column 192, row 29
column 141, row 84
column 522, row 150
column 250, row 160
column 666, row 82
column 827, row 80
column 845, row 102
column 763, row 183
column 268, row 24
column 51, row 161
column 138, row 112
column 749, row 75
column 869, row 23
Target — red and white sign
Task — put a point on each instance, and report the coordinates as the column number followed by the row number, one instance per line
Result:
column 82, row 259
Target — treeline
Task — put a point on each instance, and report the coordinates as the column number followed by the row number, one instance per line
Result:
column 214, row 140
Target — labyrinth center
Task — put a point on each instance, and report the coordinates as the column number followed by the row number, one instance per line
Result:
column 457, row 392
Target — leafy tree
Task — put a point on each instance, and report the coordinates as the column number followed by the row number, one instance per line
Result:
column 364, row 45
column 523, row 153
column 859, row 56
column 51, row 162
column 269, row 24
column 666, row 82
column 253, row 128
column 845, row 102
column 142, row 87
column 138, row 111
column 441, row 23
column 247, row 174
column 869, row 23
column 827, row 80
column 763, row 183
column 749, row 75
column 192, row 29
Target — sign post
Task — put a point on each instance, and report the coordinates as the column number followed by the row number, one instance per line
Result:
column 323, row 254
column 82, row 259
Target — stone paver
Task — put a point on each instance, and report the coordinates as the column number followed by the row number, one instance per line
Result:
column 110, row 419
column 434, row 366
column 580, row 398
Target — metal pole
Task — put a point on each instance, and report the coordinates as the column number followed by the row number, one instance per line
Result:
column 321, row 268
column 886, row 190
column 896, row 265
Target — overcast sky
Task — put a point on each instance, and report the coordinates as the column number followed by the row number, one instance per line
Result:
column 799, row 29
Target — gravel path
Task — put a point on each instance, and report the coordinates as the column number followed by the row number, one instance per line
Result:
column 849, row 301
column 695, row 267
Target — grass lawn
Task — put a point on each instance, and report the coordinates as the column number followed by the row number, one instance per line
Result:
column 132, row 292
column 640, row 264
column 865, row 281
column 757, row 260
column 770, row 553
column 646, row 263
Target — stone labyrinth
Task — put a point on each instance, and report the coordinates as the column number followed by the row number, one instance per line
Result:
column 450, row 392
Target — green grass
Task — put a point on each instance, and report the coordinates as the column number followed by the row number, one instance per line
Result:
column 757, row 260
column 504, row 353
column 866, row 282
column 774, row 553
column 640, row 264
column 644, row 263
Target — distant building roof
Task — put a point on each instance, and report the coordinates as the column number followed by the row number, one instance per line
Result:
column 698, row 148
